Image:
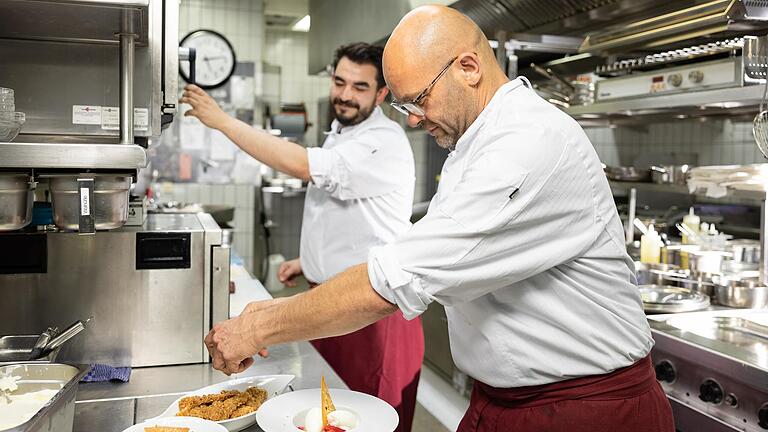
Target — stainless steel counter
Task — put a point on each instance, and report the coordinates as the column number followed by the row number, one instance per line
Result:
column 112, row 407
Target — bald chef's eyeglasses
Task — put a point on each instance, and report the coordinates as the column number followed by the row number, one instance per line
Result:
column 413, row 106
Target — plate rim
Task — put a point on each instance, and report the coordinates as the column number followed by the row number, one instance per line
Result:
column 260, row 412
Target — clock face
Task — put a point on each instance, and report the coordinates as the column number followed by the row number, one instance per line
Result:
column 215, row 61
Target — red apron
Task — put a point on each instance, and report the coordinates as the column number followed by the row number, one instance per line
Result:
column 626, row 400
column 383, row 360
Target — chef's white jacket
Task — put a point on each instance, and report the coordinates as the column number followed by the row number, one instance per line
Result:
column 361, row 195
column 523, row 245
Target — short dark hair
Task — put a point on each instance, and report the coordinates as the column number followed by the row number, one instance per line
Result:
column 362, row 53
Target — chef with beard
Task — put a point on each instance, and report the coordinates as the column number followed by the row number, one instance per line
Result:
column 360, row 195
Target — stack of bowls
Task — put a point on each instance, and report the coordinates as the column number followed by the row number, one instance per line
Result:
column 10, row 120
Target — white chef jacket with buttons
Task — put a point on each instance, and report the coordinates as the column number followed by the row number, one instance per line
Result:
column 361, row 195
column 523, row 245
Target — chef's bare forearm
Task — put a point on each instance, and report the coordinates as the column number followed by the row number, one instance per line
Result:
column 342, row 305
column 280, row 154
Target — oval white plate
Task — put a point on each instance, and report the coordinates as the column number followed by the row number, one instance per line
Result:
column 273, row 384
column 193, row 423
column 373, row 414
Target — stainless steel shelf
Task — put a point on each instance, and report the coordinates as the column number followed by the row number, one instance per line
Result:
column 72, row 156
column 754, row 196
column 693, row 102
column 79, row 21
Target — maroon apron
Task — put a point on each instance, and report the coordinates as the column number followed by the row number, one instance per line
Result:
column 383, row 360
column 626, row 400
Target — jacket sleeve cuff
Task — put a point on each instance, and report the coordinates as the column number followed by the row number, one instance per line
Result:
column 396, row 285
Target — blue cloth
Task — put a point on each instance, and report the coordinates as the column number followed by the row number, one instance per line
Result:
column 102, row 372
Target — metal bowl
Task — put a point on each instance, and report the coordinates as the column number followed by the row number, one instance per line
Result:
column 16, row 198
column 110, row 201
column 669, row 299
column 739, row 291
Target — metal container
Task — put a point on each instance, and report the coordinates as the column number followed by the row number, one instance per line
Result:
column 655, row 274
column 707, row 261
column 16, row 198
column 59, row 413
column 110, row 201
column 740, row 292
column 17, row 348
column 669, row 299
column 745, row 254
column 627, row 173
column 670, row 174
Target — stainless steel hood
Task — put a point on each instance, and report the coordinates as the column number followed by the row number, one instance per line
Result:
column 686, row 24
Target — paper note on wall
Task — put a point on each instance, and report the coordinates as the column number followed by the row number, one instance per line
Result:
column 191, row 133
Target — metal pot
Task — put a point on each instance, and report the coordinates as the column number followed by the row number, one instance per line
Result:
column 670, row 174
column 16, row 198
column 655, row 274
column 110, row 201
column 707, row 261
column 741, row 293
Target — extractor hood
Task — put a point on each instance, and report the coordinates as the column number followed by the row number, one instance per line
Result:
column 708, row 19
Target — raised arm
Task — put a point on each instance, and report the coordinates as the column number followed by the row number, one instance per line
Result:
column 282, row 155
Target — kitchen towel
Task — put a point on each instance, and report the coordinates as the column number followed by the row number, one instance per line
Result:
column 102, row 372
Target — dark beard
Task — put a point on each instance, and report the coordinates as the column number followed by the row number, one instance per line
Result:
column 362, row 113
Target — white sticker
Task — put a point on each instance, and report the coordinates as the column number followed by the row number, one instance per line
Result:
column 110, row 118
column 140, row 118
column 86, row 114
column 85, row 205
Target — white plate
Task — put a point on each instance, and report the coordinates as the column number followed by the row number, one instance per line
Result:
column 273, row 384
column 285, row 413
column 193, row 423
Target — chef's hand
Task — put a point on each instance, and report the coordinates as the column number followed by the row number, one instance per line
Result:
column 288, row 272
column 232, row 345
column 204, row 108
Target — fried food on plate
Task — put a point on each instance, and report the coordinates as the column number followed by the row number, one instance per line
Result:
column 165, row 429
column 226, row 405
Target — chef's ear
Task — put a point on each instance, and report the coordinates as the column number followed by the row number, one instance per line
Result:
column 381, row 94
column 470, row 66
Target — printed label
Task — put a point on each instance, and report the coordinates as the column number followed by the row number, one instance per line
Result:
column 85, row 205
column 86, row 114
column 110, row 118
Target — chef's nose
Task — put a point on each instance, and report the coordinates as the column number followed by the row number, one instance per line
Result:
column 346, row 94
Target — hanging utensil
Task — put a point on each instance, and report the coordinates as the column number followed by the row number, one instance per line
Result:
column 757, row 59
column 641, row 226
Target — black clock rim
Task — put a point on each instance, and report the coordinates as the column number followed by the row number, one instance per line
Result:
column 231, row 48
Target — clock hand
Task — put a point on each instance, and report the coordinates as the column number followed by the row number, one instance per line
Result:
column 213, row 58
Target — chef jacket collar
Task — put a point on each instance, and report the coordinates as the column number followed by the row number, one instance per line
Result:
column 339, row 129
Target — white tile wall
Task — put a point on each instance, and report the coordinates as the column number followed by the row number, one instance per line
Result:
column 716, row 142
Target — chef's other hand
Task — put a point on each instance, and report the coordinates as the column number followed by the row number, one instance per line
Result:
column 204, row 108
column 288, row 272
column 232, row 346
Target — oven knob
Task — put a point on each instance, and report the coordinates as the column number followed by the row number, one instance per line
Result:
column 711, row 392
column 731, row 400
column 675, row 79
column 665, row 371
column 696, row 76
column 762, row 416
